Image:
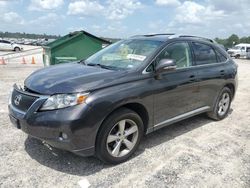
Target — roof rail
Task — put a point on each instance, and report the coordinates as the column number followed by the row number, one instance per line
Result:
column 192, row 36
column 156, row 34
column 173, row 35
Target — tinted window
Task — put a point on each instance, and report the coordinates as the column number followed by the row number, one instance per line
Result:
column 179, row 52
column 220, row 57
column 204, row 54
column 4, row 41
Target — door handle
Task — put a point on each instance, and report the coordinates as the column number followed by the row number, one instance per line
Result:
column 222, row 72
column 192, row 78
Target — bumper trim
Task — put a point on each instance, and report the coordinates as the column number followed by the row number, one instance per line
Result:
column 85, row 152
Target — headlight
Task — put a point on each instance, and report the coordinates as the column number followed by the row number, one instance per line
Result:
column 63, row 101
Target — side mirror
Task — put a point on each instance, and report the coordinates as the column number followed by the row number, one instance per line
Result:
column 165, row 65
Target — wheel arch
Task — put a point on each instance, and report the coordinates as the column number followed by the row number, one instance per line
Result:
column 137, row 108
column 141, row 111
column 232, row 88
column 17, row 47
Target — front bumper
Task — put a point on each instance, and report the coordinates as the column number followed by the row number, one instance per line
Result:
column 49, row 126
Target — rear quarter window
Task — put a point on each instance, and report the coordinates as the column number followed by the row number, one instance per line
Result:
column 220, row 56
column 204, row 54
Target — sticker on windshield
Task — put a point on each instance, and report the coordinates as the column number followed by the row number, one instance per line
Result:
column 136, row 57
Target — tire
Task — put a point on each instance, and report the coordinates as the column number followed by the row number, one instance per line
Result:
column 112, row 143
column 17, row 49
column 222, row 105
column 237, row 56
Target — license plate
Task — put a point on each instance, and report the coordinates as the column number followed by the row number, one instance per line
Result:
column 15, row 122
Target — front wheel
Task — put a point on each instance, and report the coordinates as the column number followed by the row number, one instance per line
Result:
column 119, row 136
column 17, row 49
column 222, row 106
column 237, row 56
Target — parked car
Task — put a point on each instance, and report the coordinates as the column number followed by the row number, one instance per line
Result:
column 104, row 105
column 239, row 50
column 7, row 45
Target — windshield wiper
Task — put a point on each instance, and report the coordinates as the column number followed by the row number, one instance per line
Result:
column 102, row 66
column 82, row 62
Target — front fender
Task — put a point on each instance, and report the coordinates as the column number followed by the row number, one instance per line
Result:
column 105, row 101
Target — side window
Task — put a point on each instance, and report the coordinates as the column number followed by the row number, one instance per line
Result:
column 220, row 57
column 180, row 52
column 204, row 54
column 243, row 48
column 6, row 42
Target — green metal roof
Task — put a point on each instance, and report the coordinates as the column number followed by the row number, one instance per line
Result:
column 72, row 35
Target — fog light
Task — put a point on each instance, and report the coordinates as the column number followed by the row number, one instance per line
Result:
column 63, row 136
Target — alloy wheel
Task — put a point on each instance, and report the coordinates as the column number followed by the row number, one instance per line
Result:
column 122, row 138
column 224, row 104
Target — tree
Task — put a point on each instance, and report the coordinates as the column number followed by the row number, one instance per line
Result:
column 233, row 40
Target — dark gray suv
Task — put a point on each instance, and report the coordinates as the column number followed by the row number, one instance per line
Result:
column 104, row 105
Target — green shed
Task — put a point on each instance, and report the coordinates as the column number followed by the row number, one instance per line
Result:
column 74, row 46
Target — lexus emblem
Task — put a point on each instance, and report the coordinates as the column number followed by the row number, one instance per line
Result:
column 17, row 100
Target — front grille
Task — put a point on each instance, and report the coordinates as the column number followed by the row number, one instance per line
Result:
column 22, row 101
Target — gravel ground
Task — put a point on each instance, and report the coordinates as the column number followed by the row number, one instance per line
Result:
column 197, row 152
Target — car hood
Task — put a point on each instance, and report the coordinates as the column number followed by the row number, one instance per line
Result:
column 72, row 78
column 233, row 50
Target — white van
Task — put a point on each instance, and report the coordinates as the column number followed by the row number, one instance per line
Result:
column 239, row 50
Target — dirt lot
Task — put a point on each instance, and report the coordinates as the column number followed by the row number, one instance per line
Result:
column 28, row 52
column 197, row 152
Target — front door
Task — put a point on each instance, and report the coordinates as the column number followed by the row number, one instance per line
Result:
column 176, row 92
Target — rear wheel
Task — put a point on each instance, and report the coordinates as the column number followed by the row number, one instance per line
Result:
column 17, row 49
column 237, row 56
column 119, row 136
column 222, row 105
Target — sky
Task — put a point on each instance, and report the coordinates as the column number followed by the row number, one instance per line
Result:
column 124, row 18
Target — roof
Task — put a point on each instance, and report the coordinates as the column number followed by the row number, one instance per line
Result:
column 72, row 35
column 158, row 37
column 101, row 39
column 243, row 44
column 166, row 36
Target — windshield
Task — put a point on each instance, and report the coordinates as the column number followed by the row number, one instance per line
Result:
column 125, row 54
column 236, row 47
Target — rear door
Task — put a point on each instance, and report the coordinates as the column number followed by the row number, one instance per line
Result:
column 176, row 91
column 211, row 71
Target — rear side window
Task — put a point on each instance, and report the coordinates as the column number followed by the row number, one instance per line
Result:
column 4, row 41
column 204, row 54
column 220, row 57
